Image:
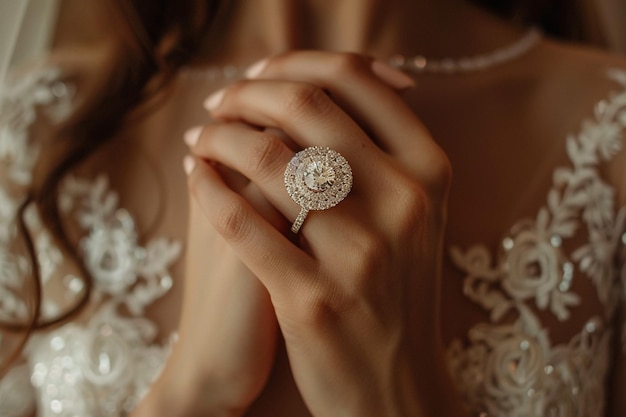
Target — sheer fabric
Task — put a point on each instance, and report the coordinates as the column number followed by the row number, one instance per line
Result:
column 100, row 366
column 511, row 367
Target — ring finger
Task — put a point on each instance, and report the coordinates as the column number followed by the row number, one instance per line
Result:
column 261, row 157
column 303, row 111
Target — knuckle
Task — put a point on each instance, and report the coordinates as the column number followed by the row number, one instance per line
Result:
column 279, row 61
column 265, row 157
column 411, row 197
column 442, row 171
column 371, row 249
column 412, row 202
column 306, row 99
column 315, row 311
column 208, row 133
column 366, row 251
column 322, row 309
column 214, row 129
column 315, row 304
column 319, row 309
column 438, row 175
column 349, row 63
column 369, row 243
column 232, row 222
column 237, row 87
column 236, row 90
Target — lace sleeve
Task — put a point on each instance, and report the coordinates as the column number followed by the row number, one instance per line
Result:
column 22, row 100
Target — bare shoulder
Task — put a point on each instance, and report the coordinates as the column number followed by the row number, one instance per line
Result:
column 590, row 85
column 570, row 62
column 571, row 78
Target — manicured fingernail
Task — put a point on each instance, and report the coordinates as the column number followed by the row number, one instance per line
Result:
column 214, row 100
column 256, row 69
column 392, row 76
column 188, row 164
column 192, row 135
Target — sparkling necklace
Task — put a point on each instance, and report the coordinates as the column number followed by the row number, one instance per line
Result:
column 418, row 64
column 421, row 64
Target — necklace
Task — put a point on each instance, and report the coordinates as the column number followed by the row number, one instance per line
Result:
column 421, row 64
column 418, row 64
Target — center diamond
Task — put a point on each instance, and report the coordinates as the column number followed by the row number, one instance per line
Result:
column 319, row 176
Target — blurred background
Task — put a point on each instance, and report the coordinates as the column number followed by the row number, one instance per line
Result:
column 598, row 22
column 29, row 27
column 612, row 18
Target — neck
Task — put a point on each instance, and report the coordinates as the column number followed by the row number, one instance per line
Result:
column 434, row 28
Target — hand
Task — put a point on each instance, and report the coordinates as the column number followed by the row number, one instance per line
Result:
column 356, row 296
column 228, row 330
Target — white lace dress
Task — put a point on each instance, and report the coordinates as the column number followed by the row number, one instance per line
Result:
column 103, row 363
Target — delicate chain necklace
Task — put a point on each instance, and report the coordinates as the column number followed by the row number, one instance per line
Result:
column 421, row 64
column 417, row 64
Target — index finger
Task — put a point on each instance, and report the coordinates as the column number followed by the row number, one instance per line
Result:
column 365, row 88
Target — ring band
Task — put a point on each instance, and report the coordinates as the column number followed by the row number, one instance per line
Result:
column 297, row 224
column 317, row 178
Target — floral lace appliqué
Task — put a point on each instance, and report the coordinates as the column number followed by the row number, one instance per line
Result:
column 102, row 367
column 99, row 365
column 20, row 99
column 513, row 370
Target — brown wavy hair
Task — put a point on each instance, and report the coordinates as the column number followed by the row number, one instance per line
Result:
column 153, row 40
column 574, row 20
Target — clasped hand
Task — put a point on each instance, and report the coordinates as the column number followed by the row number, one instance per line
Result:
column 355, row 293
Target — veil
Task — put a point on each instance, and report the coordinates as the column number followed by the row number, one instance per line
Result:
column 26, row 29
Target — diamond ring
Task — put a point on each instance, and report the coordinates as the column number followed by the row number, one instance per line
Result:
column 317, row 178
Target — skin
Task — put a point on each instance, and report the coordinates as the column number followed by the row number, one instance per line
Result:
column 337, row 292
column 331, row 299
column 308, row 307
column 322, row 294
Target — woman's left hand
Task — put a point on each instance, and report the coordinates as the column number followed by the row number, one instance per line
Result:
column 356, row 292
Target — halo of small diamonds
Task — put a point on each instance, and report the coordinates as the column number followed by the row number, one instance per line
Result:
column 318, row 178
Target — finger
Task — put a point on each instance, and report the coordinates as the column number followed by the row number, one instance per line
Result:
column 259, row 155
column 234, row 179
column 280, row 265
column 262, row 158
column 361, row 86
column 305, row 113
column 302, row 110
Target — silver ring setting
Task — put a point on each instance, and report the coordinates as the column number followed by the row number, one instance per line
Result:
column 317, row 178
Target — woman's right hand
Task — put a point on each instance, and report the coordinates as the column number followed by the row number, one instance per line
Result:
column 228, row 331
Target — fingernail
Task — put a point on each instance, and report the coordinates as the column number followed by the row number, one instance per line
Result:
column 214, row 100
column 392, row 76
column 256, row 69
column 189, row 164
column 192, row 135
